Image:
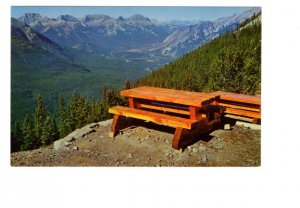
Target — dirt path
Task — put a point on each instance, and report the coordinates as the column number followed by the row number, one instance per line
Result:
column 149, row 145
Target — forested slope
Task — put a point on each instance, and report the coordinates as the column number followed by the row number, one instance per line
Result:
column 231, row 62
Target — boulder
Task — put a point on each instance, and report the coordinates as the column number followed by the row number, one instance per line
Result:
column 79, row 133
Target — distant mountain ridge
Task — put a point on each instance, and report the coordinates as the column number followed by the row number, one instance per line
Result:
column 133, row 36
column 37, row 49
column 231, row 62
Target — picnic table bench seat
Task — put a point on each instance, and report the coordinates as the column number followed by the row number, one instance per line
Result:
column 158, row 118
column 240, row 104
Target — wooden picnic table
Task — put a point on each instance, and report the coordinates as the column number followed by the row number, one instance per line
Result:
column 186, row 111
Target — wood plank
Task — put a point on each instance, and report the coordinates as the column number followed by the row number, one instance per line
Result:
column 239, row 107
column 174, row 91
column 170, row 95
column 239, row 112
column 153, row 117
column 229, row 96
column 161, row 108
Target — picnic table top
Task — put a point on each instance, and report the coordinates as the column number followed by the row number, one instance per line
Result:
column 238, row 97
column 170, row 95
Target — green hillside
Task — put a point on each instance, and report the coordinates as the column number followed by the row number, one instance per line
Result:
column 41, row 67
column 231, row 62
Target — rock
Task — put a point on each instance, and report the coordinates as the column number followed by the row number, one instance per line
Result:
column 101, row 136
column 219, row 145
column 87, row 151
column 75, row 148
column 249, row 125
column 105, row 123
column 129, row 155
column 93, row 125
column 67, row 143
column 189, row 148
column 204, row 158
column 227, row 126
column 194, row 150
column 77, row 134
column 202, row 148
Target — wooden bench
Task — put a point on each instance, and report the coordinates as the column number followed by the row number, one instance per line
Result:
column 158, row 118
column 185, row 111
column 239, row 104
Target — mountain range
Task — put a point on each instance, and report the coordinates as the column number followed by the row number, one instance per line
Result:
column 50, row 56
column 135, row 36
column 231, row 62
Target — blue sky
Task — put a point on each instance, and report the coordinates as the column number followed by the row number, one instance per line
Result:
column 159, row 13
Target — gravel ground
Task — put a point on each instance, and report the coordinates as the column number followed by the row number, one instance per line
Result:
column 147, row 144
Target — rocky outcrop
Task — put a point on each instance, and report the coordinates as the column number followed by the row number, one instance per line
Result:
column 79, row 133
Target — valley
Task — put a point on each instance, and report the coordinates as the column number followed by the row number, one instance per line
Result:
column 66, row 54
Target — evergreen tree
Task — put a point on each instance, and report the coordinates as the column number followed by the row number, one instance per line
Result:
column 16, row 137
column 49, row 131
column 63, row 126
column 72, row 112
column 93, row 112
column 40, row 115
column 29, row 139
column 128, row 85
column 82, row 111
column 227, row 71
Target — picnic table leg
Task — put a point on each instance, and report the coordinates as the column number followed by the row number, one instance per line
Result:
column 131, row 102
column 179, row 133
column 116, row 125
column 256, row 121
column 184, row 136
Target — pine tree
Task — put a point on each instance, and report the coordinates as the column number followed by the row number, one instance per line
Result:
column 29, row 139
column 63, row 126
column 40, row 115
column 92, row 112
column 71, row 117
column 128, row 85
column 82, row 111
column 16, row 137
column 227, row 71
column 49, row 131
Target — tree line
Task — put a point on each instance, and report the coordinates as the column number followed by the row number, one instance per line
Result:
column 42, row 127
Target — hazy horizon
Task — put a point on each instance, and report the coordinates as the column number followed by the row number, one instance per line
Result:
column 159, row 13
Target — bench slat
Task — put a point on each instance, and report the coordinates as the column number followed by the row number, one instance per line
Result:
column 229, row 96
column 240, row 107
column 153, row 117
column 172, row 110
column 246, row 113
